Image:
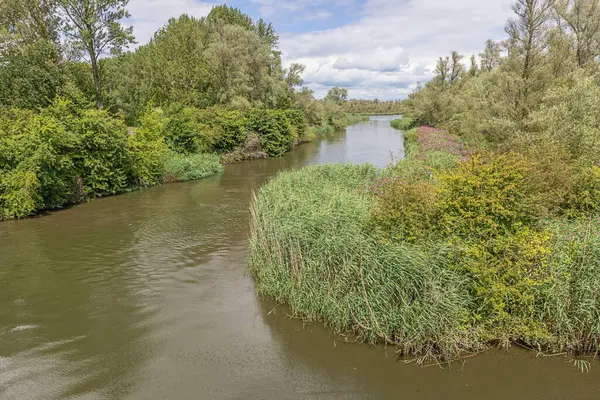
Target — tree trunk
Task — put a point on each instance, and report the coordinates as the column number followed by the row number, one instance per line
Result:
column 97, row 85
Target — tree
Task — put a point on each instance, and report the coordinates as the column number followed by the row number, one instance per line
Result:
column 293, row 75
column 474, row 68
column 31, row 72
column 490, row 57
column 457, row 67
column 581, row 19
column 337, row 95
column 526, row 45
column 527, row 34
column 442, row 69
column 94, row 28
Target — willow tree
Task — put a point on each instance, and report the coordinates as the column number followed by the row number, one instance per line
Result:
column 490, row 57
column 94, row 28
column 527, row 41
column 580, row 19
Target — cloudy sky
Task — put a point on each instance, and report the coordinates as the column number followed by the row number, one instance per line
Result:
column 375, row 48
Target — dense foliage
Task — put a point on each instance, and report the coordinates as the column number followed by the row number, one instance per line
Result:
column 81, row 117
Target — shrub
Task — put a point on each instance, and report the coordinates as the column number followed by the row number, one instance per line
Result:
column 223, row 130
column 298, row 123
column 508, row 274
column 405, row 210
column 147, row 149
column 36, row 163
column 102, row 159
column 181, row 131
column 191, row 167
column 585, row 198
column 275, row 130
column 488, row 196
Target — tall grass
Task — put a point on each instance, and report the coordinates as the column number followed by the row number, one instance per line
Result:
column 313, row 249
column 179, row 168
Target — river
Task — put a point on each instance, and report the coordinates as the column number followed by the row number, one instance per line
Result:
column 146, row 296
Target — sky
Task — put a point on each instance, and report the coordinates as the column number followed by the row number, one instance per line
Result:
column 374, row 48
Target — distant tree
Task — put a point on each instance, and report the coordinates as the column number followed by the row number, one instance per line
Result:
column 94, row 28
column 490, row 57
column 442, row 69
column 337, row 95
column 473, row 69
column 457, row 67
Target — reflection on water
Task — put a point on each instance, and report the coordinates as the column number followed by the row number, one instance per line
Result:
column 146, row 296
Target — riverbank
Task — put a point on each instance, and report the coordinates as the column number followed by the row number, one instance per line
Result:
column 442, row 255
column 65, row 154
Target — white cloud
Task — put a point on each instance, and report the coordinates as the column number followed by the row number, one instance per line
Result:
column 379, row 59
column 319, row 14
column 394, row 44
column 150, row 15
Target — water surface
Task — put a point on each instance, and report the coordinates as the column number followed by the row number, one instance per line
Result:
column 146, row 296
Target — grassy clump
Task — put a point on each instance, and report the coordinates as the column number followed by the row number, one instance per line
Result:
column 181, row 168
column 438, row 254
column 403, row 124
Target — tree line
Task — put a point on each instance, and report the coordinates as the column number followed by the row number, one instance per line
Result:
column 83, row 116
column 538, row 85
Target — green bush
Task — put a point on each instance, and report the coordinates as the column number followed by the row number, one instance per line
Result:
column 38, row 165
column 181, row 131
column 274, row 129
column 180, row 167
column 223, row 129
column 299, row 124
column 585, row 198
column 147, row 150
column 508, row 273
column 488, row 196
column 405, row 210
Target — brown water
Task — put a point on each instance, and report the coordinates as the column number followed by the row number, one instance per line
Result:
column 146, row 296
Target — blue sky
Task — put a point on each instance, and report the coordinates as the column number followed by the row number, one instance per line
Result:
column 375, row 48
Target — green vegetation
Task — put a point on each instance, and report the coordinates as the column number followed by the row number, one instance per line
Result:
column 488, row 233
column 179, row 168
column 403, row 124
column 81, row 117
column 442, row 254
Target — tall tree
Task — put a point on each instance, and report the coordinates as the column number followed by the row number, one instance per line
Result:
column 442, row 69
column 527, row 34
column 490, row 57
column 528, row 40
column 457, row 67
column 473, row 69
column 31, row 72
column 94, row 28
column 581, row 20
